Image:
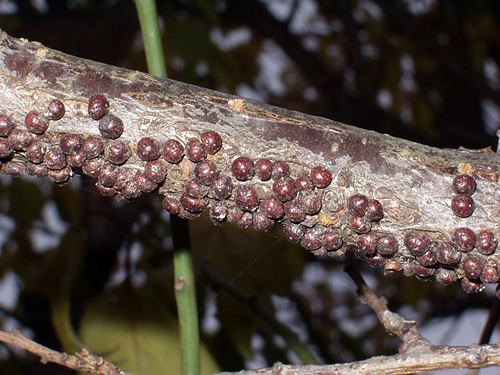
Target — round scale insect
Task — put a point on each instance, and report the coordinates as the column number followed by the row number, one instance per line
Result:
column 56, row 110
column 98, row 106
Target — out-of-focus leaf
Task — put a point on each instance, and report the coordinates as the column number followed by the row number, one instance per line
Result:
column 133, row 329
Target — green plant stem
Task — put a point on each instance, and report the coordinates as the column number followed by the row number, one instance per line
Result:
column 148, row 19
column 185, row 291
column 185, row 295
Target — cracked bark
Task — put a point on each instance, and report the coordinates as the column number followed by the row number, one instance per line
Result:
column 413, row 182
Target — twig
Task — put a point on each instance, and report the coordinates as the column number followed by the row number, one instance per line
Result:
column 489, row 327
column 416, row 355
column 393, row 323
column 83, row 361
column 435, row 358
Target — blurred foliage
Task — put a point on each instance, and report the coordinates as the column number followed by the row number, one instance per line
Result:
column 101, row 271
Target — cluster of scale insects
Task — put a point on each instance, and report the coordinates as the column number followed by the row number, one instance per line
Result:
column 235, row 194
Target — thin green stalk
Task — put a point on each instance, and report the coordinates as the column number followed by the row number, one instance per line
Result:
column 185, row 292
column 148, row 18
column 185, row 295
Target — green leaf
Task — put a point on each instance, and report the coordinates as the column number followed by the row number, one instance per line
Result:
column 132, row 328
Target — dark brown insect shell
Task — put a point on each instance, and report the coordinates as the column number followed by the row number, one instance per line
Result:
column 222, row 187
column 357, row 204
column 261, row 222
column 5, row 148
column 117, row 152
column 360, row 224
column 304, row 183
column 171, row 205
column 246, row 197
column 92, row 147
column 13, row 168
column 445, row 276
column 473, row 266
column 111, row 127
column 36, row 123
column 293, row 232
column 36, row 151
column 272, row 207
column 264, row 169
column 60, row 176
column 105, row 190
column 212, row 141
column 243, row 168
column 56, row 110
column 71, row 143
column 6, row 125
column 464, row 184
column 312, row 239
column 156, row 170
column 280, row 169
column 246, row 221
column 337, row 253
column 192, row 204
column 423, row 271
column 284, row 189
column 37, row 170
column 375, row 260
column 195, row 189
column 54, row 158
column 464, row 238
column 321, row 177
column 92, row 167
column 124, row 176
column 486, row 243
column 148, row 149
column 173, row 151
column 293, row 212
column 20, row 139
column 131, row 191
column 446, row 253
column 184, row 214
column 206, row 172
column 332, row 240
column 472, row 286
column 234, row 214
column 218, row 213
column 143, row 183
column 195, row 150
column 368, row 243
column 108, row 174
column 76, row 160
column 490, row 274
column 98, row 106
column 462, row 205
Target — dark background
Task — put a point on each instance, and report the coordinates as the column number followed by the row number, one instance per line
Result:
column 434, row 62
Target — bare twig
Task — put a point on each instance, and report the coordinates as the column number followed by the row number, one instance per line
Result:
column 489, row 327
column 417, row 355
column 393, row 323
column 83, row 361
column 436, row 358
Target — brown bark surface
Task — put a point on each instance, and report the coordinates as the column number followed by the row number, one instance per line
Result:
column 413, row 182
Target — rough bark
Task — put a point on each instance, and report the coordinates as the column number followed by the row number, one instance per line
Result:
column 412, row 182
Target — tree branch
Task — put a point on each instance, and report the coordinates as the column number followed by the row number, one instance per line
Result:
column 410, row 185
column 83, row 361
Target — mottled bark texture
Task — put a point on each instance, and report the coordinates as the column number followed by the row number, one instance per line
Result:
column 390, row 201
